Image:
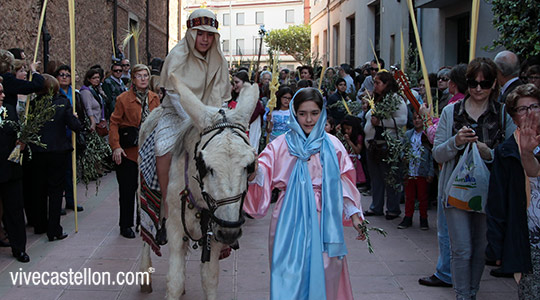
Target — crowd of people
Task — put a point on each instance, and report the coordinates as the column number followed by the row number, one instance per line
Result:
column 372, row 139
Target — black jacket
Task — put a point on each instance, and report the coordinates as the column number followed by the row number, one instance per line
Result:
column 14, row 86
column 53, row 133
column 8, row 137
column 507, row 228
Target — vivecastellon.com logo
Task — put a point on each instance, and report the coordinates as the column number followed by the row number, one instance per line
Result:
column 83, row 277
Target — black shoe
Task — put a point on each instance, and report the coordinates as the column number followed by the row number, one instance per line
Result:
column 498, row 273
column 406, row 223
column 21, row 256
column 433, row 281
column 391, row 217
column 57, row 237
column 63, row 212
column 79, row 208
column 127, row 233
column 5, row 243
column 424, row 224
column 161, row 234
column 492, row 263
column 369, row 213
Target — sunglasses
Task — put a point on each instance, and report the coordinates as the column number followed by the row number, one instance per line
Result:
column 125, row 65
column 484, row 84
column 116, row 71
column 64, row 75
column 443, row 79
column 375, row 69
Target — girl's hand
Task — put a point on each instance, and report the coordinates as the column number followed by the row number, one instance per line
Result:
column 484, row 150
column 347, row 138
column 254, row 174
column 357, row 222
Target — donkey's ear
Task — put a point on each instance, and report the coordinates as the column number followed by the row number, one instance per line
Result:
column 197, row 111
column 247, row 100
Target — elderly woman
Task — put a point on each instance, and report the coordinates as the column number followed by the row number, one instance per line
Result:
column 479, row 119
column 130, row 110
column 385, row 89
column 513, row 209
column 199, row 53
column 49, row 163
column 14, row 86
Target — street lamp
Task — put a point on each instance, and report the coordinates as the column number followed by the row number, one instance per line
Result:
column 262, row 33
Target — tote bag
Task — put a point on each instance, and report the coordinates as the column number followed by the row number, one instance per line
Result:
column 468, row 185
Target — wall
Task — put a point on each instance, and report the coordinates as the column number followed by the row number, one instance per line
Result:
column 94, row 25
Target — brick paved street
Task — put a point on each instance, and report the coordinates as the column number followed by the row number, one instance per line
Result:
column 391, row 273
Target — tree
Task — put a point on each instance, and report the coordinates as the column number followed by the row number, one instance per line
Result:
column 518, row 25
column 294, row 41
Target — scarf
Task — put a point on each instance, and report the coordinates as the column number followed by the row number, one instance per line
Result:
column 297, row 261
column 142, row 97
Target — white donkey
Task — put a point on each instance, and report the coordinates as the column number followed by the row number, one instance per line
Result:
column 208, row 182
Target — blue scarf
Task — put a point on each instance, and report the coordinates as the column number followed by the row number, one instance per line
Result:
column 297, row 261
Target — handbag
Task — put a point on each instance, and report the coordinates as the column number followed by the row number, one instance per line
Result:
column 101, row 128
column 468, row 186
column 129, row 136
column 378, row 147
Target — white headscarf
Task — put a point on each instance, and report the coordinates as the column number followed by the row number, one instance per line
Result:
column 206, row 76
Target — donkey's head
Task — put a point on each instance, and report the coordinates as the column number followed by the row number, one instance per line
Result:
column 223, row 157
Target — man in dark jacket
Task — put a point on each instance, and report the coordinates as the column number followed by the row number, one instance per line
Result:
column 11, row 184
column 507, row 73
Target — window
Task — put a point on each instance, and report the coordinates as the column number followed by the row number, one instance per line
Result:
column 226, row 46
column 352, row 38
column 335, row 43
column 240, row 19
column 289, row 16
column 259, row 17
column 226, row 19
column 239, row 46
column 257, row 44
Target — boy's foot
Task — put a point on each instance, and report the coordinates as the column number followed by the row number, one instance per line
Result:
column 406, row 223
column 424, row 224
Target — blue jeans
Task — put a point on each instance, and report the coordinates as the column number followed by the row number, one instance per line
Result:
column 443, row 271
column 467, row 231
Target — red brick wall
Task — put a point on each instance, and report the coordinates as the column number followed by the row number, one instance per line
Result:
column 94, row 25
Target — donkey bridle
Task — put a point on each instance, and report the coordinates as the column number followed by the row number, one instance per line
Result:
column 207, row 215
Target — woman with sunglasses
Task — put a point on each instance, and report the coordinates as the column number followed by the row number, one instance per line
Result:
column 513, row 209
column 479, row 119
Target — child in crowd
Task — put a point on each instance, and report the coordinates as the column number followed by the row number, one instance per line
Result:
column 277, row 119
column 421, row 172
column 353, row 139
column 330, row 127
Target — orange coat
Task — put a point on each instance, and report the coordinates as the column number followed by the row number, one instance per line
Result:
column 127, row 112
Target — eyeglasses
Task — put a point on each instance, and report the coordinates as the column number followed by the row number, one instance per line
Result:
column 125, row 65
column 443, row 79
column 117, row 70
column 484, row 84
column 64, row 75
column 531, row 78
column 143, row 76
column 521, row 110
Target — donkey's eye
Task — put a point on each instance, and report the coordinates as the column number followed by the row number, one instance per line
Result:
column 211, row 171
column 251, row 168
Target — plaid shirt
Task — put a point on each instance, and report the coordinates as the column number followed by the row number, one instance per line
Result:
column 489, row 128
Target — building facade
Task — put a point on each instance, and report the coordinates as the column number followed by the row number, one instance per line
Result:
column 342, row 30
column 97, row 23
column 241, row 20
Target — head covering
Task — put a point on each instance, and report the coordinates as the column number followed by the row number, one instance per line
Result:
column 297, row 261
column 207, row 75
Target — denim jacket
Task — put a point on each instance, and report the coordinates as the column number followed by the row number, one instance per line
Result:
column 426, row 168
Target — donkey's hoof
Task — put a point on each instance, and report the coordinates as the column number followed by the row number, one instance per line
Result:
column 146, row 288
